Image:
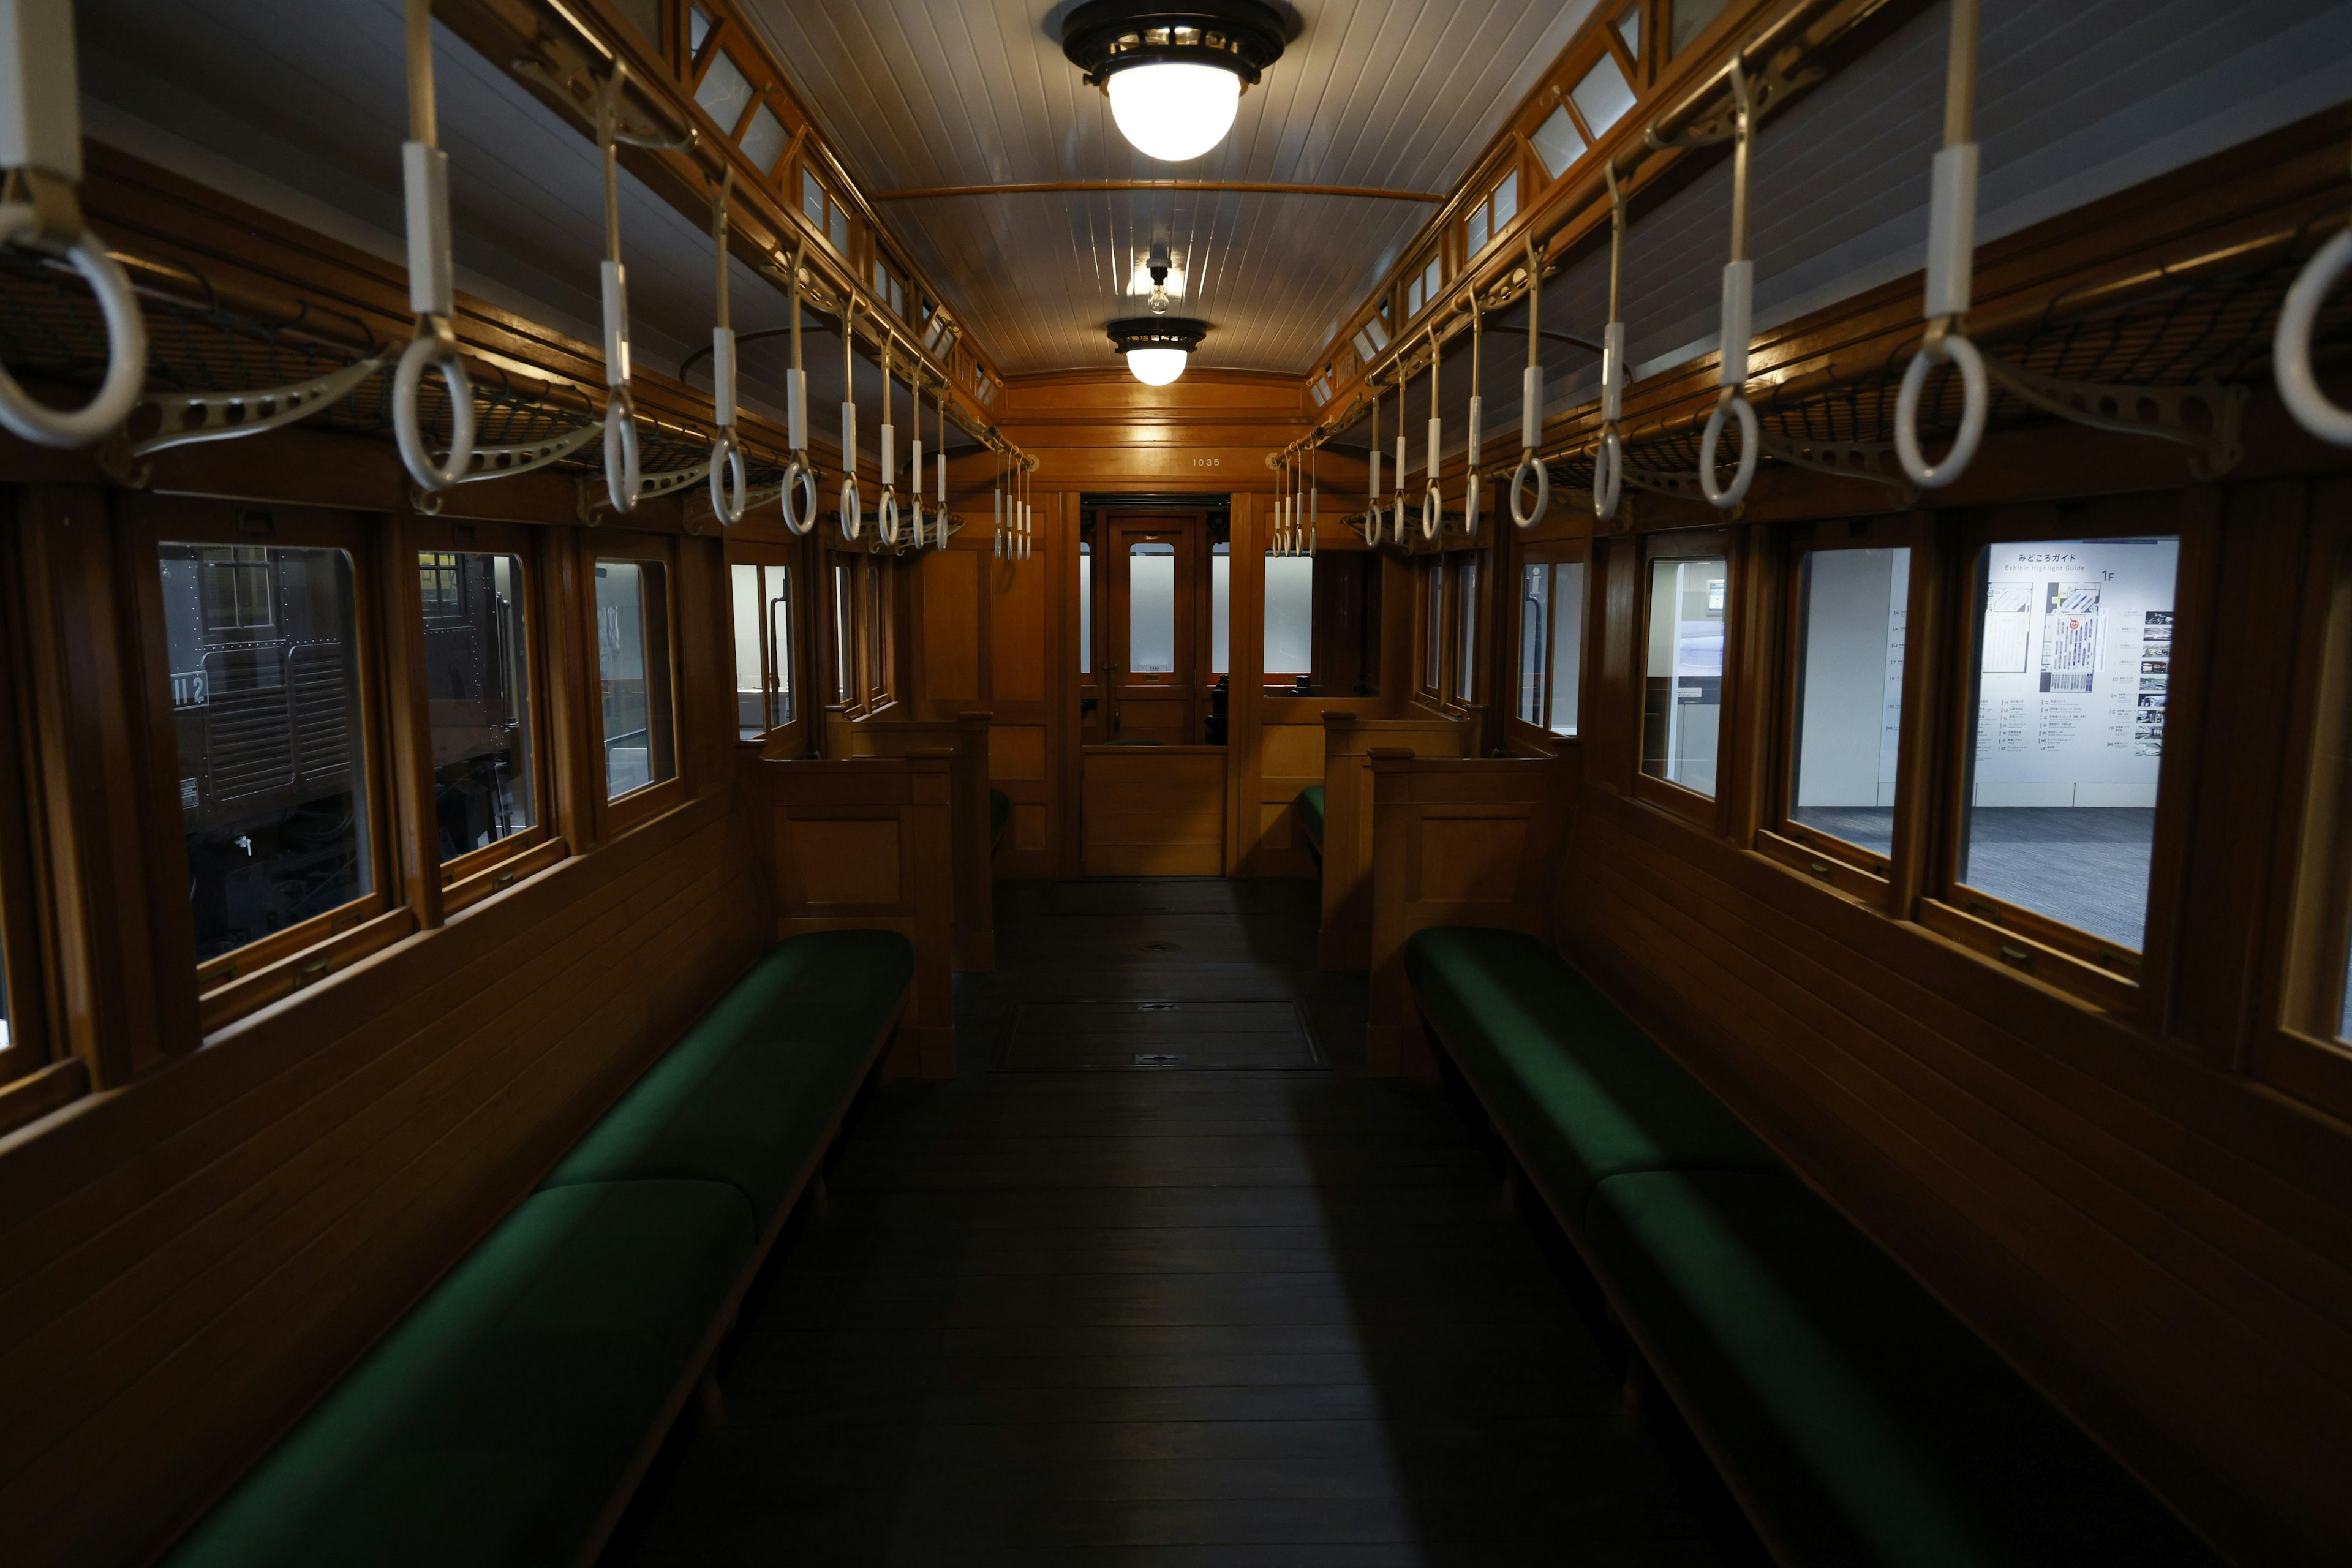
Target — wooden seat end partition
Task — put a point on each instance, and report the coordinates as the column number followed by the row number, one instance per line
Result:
column 972, row 804
column 1344, row 937
column 1457, row 841
column 866, row 844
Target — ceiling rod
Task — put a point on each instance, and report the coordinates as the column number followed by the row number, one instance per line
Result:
column 1255, row 188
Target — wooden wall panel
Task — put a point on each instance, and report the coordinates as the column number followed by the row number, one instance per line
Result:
column 1155, row 811
column 1017, row 619
column 951, row 587
column 185, row 1264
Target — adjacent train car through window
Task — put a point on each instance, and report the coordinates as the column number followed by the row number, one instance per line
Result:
column 477, row 684
column 268, row 707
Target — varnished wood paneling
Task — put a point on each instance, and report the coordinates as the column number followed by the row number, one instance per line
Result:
column 1155, row 811
column 1345, row 936
column 950, row 581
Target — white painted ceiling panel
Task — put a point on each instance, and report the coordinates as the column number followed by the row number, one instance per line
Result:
column 1398, row 94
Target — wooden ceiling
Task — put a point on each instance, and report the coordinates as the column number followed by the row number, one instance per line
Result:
column 1393, row 94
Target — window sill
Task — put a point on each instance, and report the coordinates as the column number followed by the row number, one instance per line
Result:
column 641, row 806
column 224, row 1004
column 2060, row 970
column 1855, row 882
column 498, row 876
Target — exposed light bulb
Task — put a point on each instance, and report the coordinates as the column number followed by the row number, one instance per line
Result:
column 1174, row 111
column 1158, row 303
column 1156, row 367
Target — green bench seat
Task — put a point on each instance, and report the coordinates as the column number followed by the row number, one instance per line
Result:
column 1311, row 814
column 1000, row 812
column 1864, row 1422
column 1580, row 1090
column 749, row 1092
column 497, row 1421
column 1859, row 1422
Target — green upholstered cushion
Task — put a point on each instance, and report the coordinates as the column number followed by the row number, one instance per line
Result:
column 492, row 1425
column 1581, row 1092
column 1864, row 1422
column 1311, row 813
column 746, row 1094
column 1000, row 812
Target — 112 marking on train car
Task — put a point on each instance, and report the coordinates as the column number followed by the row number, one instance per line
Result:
column 190, row 690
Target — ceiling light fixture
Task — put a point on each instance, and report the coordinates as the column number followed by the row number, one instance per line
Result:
column 1174, row 73
column 1157, row 347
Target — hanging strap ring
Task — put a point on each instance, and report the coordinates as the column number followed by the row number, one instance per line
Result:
column 853, row 510
column 1528, row 519
column 126, row 335
column 800, row 480
column 433, row 348
column 886, row 517
column 1471, row 490
column 623, row 478
column 1959, row 350
column 1371, row 529
column 2291, row 345
column 1432, row 513
column 731, row 484
column 1608, row 474
column 1728, row 496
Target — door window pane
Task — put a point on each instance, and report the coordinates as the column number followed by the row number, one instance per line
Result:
column 266, row 700
column 1466, row 628
column 1087, row 608
column 1567, row 644
column 1535, row 624
column 1289, row 615
column 784, row 707
column 1433, row 641
column 477, row 684
column 1221, row 608
column 2072, row 672
column 1151, row 609
column 1681, row 709
column 1850, row 632
column 631, row 661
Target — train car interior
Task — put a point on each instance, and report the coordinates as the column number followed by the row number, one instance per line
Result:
column 1175, row 783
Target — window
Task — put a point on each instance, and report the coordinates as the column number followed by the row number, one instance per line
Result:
column 1629, row 29
column 824, row 210
column 1557, row 142
column 845, row 660
column 1289, row 617
column 1086, row 608
column 764, row 139
column 1682, row 707
column 478, row 688
column 1852, row 612
column 764, row 650
column 1690, row 19
column 1432, row 627
column 633, row 664
column 1221, row 607
column 1424, row 288
column 1551, row 638
column 1497, row 208
column 1604, row 96
column 2073, row 657
column 875, row 623
column 1466, row 628
column 698, row 25
column 725, row 92
column 1152, row 608
column 887, row 290
column 266, row 700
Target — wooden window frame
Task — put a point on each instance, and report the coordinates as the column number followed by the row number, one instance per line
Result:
column 618, row 813
column 2106, row 974
column 1849, row 868
column 38, row 1072
column 233, row 984
column 1690, row 545
column 1554, row 553
column 792, row 736
column 2293, row 1047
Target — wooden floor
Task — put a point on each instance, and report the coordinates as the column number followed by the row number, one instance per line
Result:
column 1164, row 1316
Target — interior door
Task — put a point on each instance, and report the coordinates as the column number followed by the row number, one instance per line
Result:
column 1150, row 676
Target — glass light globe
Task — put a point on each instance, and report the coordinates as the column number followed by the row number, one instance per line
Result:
column 1156, row 367
column 1174, row 111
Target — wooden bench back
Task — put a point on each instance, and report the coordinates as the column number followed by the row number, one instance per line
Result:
column 864, row 844
column 1345, row 938
column 1455, row 841
column 965, row 738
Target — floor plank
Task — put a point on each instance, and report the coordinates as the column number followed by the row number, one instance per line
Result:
column 1171, row 1318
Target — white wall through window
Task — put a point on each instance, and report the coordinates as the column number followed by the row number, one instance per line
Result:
column 1290, row 614
column 1567, row 644
column 1086, row 608
column 1152, row 608
column 1852, row 621
column 1221, row 608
